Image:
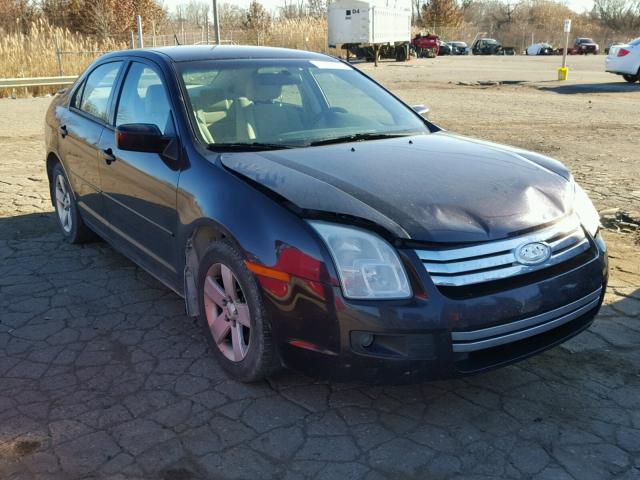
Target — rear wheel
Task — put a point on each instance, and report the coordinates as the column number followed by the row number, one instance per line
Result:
column 631, row 78
column 72, row 227
column 233, row 315
column 401, row 53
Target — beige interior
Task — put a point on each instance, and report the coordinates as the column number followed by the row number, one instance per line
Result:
column 254, row 111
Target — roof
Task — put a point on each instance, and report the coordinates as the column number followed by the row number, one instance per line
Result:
column 186, row 53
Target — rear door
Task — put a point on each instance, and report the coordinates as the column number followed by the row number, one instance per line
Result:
column 80, row 129
column 139, row 188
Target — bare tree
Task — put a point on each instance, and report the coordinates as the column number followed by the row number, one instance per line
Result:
column 619, row 15
column 316, row 8
column 504, row 13
column 441, row 13
column 195, row 12
column 17, row 14
column 293, row 9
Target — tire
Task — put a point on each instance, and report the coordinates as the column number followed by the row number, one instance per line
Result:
column 401, row 54
column 72, row 227
column 631, row 78
column 231, row 301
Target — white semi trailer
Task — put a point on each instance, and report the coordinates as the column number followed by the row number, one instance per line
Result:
column 369, row 29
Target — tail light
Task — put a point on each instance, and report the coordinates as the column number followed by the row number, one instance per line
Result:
column 622, row 52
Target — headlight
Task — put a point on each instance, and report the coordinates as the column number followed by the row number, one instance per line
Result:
column 367, row 265
column 587, row 213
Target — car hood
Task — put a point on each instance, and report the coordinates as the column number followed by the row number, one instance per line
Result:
column 433, row 188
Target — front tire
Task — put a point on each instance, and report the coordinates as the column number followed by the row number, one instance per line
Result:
column 233, row 315
column 72, row 227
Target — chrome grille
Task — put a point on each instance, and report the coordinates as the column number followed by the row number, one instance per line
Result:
column 456, row 267
column 473, row 340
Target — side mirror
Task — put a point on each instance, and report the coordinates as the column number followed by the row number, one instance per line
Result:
column 141, row 137
column 421, row 110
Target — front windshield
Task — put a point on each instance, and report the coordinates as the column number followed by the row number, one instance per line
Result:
column 290, row 103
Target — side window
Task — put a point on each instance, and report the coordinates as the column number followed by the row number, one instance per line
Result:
column 77, row 96
column 144, row 99
column 97, row 90
column 342, row 94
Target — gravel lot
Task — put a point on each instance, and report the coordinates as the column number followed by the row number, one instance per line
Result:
column 103, row 376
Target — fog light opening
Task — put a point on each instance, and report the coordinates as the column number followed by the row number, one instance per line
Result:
column 366, row 340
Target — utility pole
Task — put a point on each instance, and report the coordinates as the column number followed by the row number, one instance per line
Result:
column 206, row 27
column 139, row 26
column 216, row 22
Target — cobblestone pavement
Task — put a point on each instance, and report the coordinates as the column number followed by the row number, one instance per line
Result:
column 103, row 376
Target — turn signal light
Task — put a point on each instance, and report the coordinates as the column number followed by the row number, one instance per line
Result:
column 622, row 52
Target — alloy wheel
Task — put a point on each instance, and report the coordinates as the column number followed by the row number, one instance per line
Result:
column 63, row 204
column 227, row 312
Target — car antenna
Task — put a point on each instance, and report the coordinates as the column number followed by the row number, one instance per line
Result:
column 174, row 34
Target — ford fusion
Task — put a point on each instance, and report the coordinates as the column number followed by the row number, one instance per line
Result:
column 311, row 219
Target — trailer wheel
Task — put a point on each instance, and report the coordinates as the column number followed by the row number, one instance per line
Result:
column 401, row 53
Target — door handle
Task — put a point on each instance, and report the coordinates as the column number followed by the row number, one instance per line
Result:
column 108, row 156
column 62, row 130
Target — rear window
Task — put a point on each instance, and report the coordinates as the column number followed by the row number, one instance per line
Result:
column 635, row 42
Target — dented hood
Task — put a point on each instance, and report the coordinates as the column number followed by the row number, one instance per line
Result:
column 434, row 188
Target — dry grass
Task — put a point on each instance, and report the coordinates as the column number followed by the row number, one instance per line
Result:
column 34, row 54
column 301, row 33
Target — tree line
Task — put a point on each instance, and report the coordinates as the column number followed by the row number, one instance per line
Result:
column 513, row 19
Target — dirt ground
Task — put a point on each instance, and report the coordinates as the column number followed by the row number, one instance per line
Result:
column 103, row 376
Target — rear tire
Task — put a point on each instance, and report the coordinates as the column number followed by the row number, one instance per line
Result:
column 401, row 53
column 233, row 315
column 72, row 227
column 631, row 78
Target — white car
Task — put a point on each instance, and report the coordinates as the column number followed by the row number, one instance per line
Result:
column 540, row 49
column 625, row 60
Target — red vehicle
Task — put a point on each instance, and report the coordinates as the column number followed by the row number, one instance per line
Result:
column 426, row 45
column 583, row 46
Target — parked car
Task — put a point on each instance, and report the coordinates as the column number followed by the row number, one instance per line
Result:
column 311, row 219
column 584, row 46
column 426, row 46
column 612, row 44
column 625, row 60
column 540, row 49
column 443, row 48
column 459, row 48
column 486, row 46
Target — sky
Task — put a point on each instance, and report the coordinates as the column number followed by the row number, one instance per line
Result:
column 273, row 5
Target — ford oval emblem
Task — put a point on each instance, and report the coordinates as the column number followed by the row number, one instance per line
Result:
column 533, row 253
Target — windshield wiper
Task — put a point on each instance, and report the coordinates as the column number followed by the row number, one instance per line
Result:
column 246, row 147
column 357, row 137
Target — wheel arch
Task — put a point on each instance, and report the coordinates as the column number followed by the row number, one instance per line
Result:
column 197, row 237
column 52, row 160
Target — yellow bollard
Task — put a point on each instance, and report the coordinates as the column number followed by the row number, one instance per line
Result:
column 563, row 73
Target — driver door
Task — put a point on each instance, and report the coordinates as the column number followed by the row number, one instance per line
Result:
column 139, row 188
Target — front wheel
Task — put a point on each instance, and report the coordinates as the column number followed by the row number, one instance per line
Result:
column 233, row 314
column 631, row 78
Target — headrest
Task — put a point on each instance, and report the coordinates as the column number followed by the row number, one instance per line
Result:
column 155, row 93
column 267, row 86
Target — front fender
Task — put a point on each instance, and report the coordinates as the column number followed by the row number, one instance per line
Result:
column 262, row 228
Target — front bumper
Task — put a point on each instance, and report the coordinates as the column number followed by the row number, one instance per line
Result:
column 434, row 336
